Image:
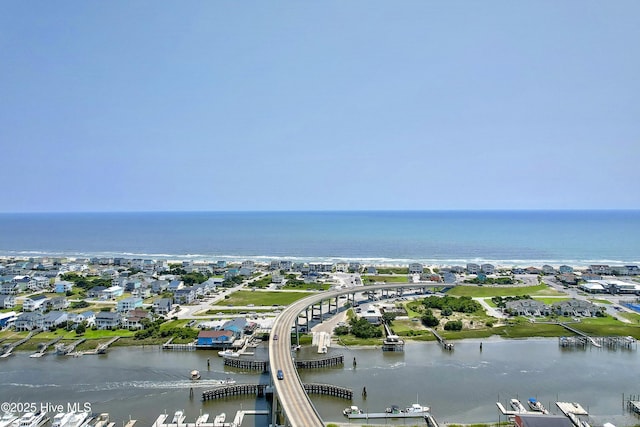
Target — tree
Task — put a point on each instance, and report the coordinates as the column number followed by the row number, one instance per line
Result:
column 80, row 329
column 430, row 320
column 388, row 317
column 453, row 325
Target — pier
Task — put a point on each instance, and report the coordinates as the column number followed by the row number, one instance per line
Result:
column 8, row 348
column 445, row 345
column 183, row 347
column 392, row 342
column 582, row 340
column 64, row 350
column 203, row 420
column 329, row 390
column 102, row 348
column 43, row 347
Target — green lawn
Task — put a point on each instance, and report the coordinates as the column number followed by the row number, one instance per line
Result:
column 600, row 301
column 308, row 286
column 386, row 279
column 265, row 298
column 502, row 291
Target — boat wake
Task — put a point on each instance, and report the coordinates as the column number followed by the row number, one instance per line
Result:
column 181, row 384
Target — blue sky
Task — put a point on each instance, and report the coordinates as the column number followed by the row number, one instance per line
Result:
column 146, row 106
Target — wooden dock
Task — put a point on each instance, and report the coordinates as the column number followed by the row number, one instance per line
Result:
column 445, row 345
column 102, row 348
column 44, row 347
column 8, row 349
column 64, row 350
column 329, row 390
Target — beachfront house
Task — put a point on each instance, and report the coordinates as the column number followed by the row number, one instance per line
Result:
column 7, row 301
column 600, row 269
column 28, row 321
column 63, row 286
column 488, row 268
column 548, row 269
column 565, row 269
column 473, row 268
column 108, row 320
column 416, row 268
column 128, row 304
column 215, row 339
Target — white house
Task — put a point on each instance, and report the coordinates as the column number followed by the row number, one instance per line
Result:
column 35, row 303
column 473, row 268
column 416, row 268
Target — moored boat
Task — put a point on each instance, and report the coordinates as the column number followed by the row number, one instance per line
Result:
column 32, row 419
column 195, row 375
column 351, row 410
column 537, row 406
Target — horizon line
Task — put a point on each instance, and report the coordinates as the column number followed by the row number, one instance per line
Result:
column 243, row 211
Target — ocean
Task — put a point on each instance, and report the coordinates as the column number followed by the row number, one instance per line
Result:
column 374, row 237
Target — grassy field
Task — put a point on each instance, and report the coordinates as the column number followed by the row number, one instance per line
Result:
column 502, row 291
column 265, row 298
column 386, row 279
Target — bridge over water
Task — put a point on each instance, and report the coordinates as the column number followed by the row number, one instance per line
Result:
column 295, row 405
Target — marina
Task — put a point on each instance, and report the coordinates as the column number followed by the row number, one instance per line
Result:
column 179, row 418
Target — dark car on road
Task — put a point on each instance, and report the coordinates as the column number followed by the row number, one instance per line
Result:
column 280, row 374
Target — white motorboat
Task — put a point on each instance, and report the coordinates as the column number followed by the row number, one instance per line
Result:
column 416, row 408
column 195, row 375
column 178, row 418
column 228, row 353
column 7, row 419
column 61, row 418
column 227, row 381
column 351, row 410
column 76, row 420
column 32, row 419
column 218, row 421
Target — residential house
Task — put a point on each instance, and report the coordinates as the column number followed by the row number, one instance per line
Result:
column 415, row 268
column 9, row 288
column 548, row 269
column 87, row 316
column 112, row 292
column 527, row 307
column 568, row 278
column 57, row 303
column 162, row 306
column 184, row 296
column 108, row 320
column 221, row 264
column 159, row 286
column 35, row 303
column 371, row 270
column 355, row 267
column 532, row 270
column 7, row 319
column 601, row 269
column 110, row 273
column 633, row 270
column 372, row 315
column 473, row 268
column 248, row 264
column 216, row 339
column 63, row 286
column 237, row 326
column 134, row 318
column 96, row 292
column 488, row 268
column 619, row 270
column 7, row 301
column 594, row 287
column 28, row 321
column 39, row 283
column 563, row 269
column 575, row 307
column 131, row 285
column 245, row 271
column 128, row 304
column 448, row 277
column 175, row 285
column 231, row 273
column 53, row 319
column 321, row 267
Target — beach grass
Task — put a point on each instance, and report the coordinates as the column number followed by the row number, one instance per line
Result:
column 502, row 291
column 266, row 298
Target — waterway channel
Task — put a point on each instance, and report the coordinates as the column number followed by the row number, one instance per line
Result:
column 460, row 386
